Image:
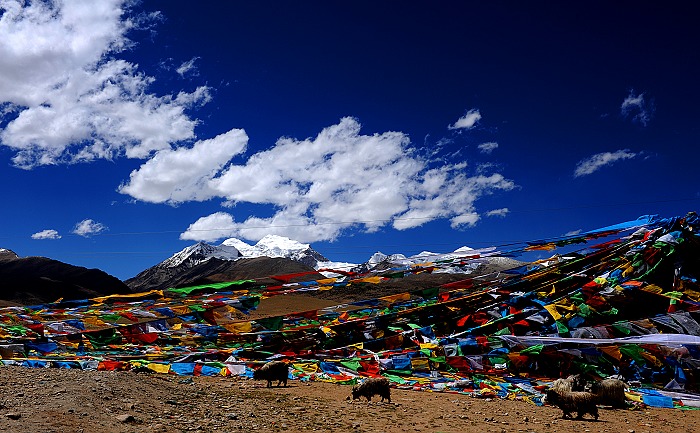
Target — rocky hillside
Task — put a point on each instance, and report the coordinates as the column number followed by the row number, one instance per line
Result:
column 216, row 270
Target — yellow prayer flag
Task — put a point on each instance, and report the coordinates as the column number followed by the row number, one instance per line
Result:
column 420, row 364
column 373, row 280
column 396, row 298
column 552, row 309
column 306, row 367
column 159, row 368
column 325, row 281
column 238, row 327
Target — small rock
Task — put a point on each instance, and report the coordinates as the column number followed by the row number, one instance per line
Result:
column 13, row 415
column 125, row 418
column 526, row 419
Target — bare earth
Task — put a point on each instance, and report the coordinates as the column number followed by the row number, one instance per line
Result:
column 53, row 400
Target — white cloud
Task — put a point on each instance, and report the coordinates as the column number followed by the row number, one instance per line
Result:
column 181, row 175
column 321, row 186
column 498, row 212
column 488, row 147
column 573, row 233
column 210, row 228
column 88, row 227
column 468, row 219
column 468, row 121
column 637, row 108
column 188, row 68
column 71, row 99
column 46, row 234
column 599, row 160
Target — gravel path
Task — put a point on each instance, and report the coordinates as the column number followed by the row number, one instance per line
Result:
column 53, row 400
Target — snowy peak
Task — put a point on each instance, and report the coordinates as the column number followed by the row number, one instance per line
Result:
column 199, row 253
column 7, row 255
column 280, row 246
column 380, row 260
column 277, row 246
column 245, row 249
column 379, row 257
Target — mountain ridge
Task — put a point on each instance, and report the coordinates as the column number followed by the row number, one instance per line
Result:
column 36, row 280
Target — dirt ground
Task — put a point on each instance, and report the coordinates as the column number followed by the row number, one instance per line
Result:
column 53, row 400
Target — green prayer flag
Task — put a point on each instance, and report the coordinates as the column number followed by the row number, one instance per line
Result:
column 213, row 286
column 622, row 329
column 428, row 293
column 504, row 331
column 533, row 350
column 561, row 328
column 271, row 323
column 104, row 337
column 634, row 352
column 352, row 365
column 394, row 378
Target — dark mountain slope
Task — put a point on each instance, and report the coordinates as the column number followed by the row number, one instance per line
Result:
column 38, row 280
column 216, row 270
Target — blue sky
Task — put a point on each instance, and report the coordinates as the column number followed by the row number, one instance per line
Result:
column 130, row 131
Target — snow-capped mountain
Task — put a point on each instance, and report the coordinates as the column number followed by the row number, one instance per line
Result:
column 6, row 255
column 197, row 260
column 277, row 246
column 462, row 260
column 199, row 253
column 233, row 249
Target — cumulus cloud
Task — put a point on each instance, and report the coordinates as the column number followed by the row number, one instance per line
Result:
column 488, row 147
column 468, row 121
column 498, row 212
column 67, row 98
column 46, row 234
column 637, row 108
column 183, row 174
column 599, row 160
column 320, row 186
column 212, row 227
column 88, row 227
column 573, row 232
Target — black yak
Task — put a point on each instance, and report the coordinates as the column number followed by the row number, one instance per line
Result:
column 273, row 370
column 372, row 386
column 569, row 401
